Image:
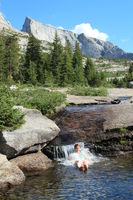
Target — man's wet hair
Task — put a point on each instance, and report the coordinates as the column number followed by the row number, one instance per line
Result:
column 76, row 145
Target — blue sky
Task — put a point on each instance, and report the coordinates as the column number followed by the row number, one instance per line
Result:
column 110, row 20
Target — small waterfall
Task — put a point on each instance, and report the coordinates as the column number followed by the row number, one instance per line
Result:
column 61, row 153
column 64, row 151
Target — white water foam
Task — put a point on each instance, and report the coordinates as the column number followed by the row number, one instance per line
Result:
column 68, row 150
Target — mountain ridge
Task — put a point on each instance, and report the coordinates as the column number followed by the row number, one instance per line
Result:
column 46, row 33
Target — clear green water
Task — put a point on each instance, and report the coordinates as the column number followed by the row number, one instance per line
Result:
column 107, row 179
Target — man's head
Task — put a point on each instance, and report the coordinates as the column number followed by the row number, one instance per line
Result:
column 77, row 148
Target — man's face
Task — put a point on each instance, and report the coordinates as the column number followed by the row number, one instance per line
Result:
column 78, row 148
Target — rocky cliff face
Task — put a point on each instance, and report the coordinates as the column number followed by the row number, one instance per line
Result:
column 97, row 48
column 4, row 23
column 7, row 29
column 90, row 46
column 46, row 33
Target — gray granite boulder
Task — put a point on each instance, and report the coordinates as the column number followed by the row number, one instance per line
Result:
column 10, row 174
column 37, row 130
column 32, row 164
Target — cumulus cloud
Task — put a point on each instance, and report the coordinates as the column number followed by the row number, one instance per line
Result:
column 60, row 27
column 87, row 29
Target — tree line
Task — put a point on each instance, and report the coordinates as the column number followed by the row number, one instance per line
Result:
column 126, row 80
column 60, row 66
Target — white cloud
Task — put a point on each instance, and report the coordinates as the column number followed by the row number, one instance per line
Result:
column 87, row 29
column 60, row 27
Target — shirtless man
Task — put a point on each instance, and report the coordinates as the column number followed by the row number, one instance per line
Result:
column 81, row 158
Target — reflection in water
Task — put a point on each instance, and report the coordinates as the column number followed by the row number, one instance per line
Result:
column 107, row 179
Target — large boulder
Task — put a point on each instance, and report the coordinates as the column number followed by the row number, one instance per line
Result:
column 10, row 174
column 37, row 130
column 32, row 164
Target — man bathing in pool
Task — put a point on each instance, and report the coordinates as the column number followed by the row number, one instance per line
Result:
column 79, row 158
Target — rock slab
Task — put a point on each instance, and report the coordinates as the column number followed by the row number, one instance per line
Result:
column 90, row 123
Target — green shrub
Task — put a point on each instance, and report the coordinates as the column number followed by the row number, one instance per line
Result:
column 10, row 118
column 122, row 141
column 40, row 99
column 123, row 130
column 88, row 91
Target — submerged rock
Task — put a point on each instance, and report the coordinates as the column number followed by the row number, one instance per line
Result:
column 32, row 164
column 10, row 174
column 37, row 130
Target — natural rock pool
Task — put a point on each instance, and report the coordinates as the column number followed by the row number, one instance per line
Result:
column 106, row 179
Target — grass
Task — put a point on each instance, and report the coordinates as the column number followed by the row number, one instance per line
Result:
column 88, row 91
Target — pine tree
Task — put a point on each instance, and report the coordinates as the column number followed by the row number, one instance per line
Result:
column 90, row 72
column 129, row 76
column 131, row 72
column 92, row 76
column 32, row 73
column 131, row 68
column 11, row 57
column 21, row 68
column 103, row 79
column 56, row 58
column 2, row 54
column 78, row 66
column 33, row 54
column 49, row 79
column 67, row 71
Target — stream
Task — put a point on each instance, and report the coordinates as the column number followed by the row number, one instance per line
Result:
column 105, row 179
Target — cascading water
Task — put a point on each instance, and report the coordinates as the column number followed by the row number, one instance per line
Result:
column 61, row 154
